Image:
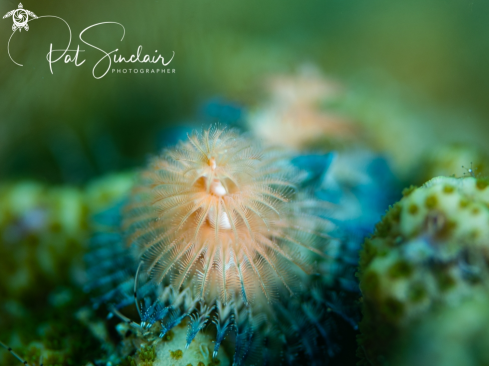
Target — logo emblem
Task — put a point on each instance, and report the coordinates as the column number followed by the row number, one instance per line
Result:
column 20, row 17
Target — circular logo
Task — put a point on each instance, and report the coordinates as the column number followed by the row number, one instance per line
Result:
column 20, row 18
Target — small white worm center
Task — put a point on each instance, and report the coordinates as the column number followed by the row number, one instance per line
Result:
column 224, row 222
column 217, row 189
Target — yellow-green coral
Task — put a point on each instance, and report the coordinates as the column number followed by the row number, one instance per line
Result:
column 61, row 338
column 173, row 352
column 429, row 250
column 176, row 355
column 457, row 335
column 145, row 356
column 170, row 350
column 43, row 232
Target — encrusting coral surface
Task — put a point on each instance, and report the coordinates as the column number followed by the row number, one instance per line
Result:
column 429, row 251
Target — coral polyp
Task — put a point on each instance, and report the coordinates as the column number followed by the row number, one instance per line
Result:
column 429, row 253
column 221, row 212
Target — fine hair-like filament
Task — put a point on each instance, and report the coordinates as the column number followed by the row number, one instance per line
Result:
column 221, row 213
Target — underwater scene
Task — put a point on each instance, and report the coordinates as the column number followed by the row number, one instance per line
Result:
column 209, row 182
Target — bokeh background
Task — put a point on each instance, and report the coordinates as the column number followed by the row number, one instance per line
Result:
column 407, row 81
column 427, row 57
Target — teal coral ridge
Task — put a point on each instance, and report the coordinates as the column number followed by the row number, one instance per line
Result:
column 430, row 251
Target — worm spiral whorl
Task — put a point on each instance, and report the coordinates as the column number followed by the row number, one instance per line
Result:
column 221, row 213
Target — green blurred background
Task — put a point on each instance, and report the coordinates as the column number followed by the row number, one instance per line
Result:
column 69, row 127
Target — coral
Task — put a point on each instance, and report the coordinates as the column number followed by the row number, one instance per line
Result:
column 44, row 231
column 55, row 333
column 430, row 250
column 455, row 335
column 170, row 352
column 145, row 356
column 200, row 350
